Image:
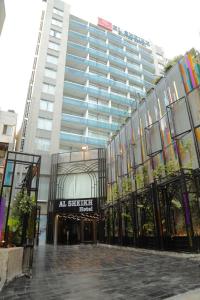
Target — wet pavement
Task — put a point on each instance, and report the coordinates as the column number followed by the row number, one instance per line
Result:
column 93, row 272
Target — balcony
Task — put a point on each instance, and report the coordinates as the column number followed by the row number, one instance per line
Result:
column 131, row 47
column 77, row 26
column 76, row 49
column 148, row 76
column 97, row 32
column 80, row 91
column 97, row 43
column 135, row 80
column 110, row 96
column 98, row 66
column 117, row 61
column 70, row 137
column 118, row 73
column 77, row 38
column 134, row 67
column 66, row 118
column 117, row 50
column 76, row 62
column 74, row 90
column 148, row 66
column 98, row 54
column 133, row 57
column 81, row 63
column 147, row 55
column 83, row 105
column 114, row 38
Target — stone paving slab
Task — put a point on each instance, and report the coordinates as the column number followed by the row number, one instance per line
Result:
column 191, row 295
column 89, row 272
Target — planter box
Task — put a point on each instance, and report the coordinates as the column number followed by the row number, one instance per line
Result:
column 10, row 264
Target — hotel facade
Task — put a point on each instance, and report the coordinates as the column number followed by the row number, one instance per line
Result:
column 86, row 81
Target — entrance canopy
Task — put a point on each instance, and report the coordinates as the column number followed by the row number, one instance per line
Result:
column 77, row 190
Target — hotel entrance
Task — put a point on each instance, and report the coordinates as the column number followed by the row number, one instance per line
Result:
column 77, row 187
column 73, row 229
column 88, row 232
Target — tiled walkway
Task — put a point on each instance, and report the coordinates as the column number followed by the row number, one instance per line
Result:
column 93, row 272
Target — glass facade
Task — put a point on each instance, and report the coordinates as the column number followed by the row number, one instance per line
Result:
column 153, row 167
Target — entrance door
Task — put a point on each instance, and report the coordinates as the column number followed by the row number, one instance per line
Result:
column 88, row 231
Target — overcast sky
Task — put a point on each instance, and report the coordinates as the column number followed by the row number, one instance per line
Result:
column 172, row 24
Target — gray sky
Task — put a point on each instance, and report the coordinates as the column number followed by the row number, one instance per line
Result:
column 172, row 24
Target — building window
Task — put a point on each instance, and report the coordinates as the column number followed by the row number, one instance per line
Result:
column 44, row 124
column 58, row 12
column 48, row 88
column 56, row 22
column 46, row 105
column 7, row 130
column 52, row 59
column 42, row 144
column 54, row 46
column 50, row 73
column 55, row 33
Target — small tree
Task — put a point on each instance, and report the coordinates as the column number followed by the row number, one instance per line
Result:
column 23, row 210
column 25, row 203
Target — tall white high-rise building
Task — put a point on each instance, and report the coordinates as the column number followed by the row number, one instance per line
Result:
column 86, row 80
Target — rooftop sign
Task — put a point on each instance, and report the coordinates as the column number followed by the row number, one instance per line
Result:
column 109, row 26
column 130, row 36
column 105, row 24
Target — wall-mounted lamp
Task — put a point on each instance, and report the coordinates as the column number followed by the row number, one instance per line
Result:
column 84, row 148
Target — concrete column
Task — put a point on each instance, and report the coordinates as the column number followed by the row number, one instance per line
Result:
column 55, row 238
column 94, row 231
column 82, row 231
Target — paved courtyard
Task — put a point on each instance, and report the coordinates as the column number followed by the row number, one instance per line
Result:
column 94, row 272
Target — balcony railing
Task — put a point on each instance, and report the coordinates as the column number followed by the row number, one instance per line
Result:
column 67, row 101
column 77, row 36
column 148, row 65
column 90, row 122
column 101, row 80
column 133, row 57
column 97, row 42
column 134, row 67
column 116, row 49
column 70, row 137
column 77, row 47
column 117, row 61
column 146, row 55
column 98, row 32
column 114, row 38
column 98, row 54
column 77, row 25
column 132, row 47
column 149, row 75
column 99, row 93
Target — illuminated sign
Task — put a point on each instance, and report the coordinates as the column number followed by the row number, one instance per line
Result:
column 105, row 24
